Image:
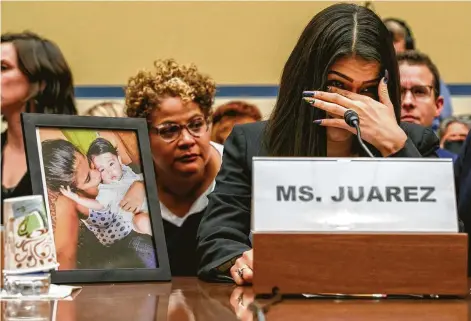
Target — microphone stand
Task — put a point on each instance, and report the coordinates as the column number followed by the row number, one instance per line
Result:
column 353, row 120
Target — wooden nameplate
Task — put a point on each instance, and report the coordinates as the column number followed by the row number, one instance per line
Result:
column 366, row 263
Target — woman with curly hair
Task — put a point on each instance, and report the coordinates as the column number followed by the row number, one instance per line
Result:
column 176, row 100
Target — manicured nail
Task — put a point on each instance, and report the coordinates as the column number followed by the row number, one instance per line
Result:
column 309, row 93
column 309, row 100
column 386, row 76
column 317, row 121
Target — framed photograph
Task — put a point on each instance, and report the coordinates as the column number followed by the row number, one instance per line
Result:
column 97, row 178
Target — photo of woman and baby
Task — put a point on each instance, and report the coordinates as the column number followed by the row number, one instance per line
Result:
column 97, row 198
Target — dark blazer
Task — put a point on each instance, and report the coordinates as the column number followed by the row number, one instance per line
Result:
column 223, row 234
column 463, row 189
column 23, row 188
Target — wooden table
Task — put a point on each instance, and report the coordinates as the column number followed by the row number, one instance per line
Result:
column 188, row 299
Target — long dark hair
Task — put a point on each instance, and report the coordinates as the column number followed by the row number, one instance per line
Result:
column 340, row 30
column 43, row 63
column 59, row 161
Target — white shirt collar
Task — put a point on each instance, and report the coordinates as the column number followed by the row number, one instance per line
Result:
column 198, row 206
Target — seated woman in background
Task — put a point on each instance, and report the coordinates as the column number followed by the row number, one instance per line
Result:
column 35, row 78
column 176, row 100
column 343, row 60
column 230, row 114
column 106, row 109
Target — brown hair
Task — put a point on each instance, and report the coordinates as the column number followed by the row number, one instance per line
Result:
column 463, row 119
column 43, row 63
column 236, row 109
column 416, row 58
column 168, row 79
column 230, row 114
column 341, row 30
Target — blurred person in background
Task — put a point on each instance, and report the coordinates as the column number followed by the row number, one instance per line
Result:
column 462, row 170
column 106, row 109
column 35, row 78
column 453, row 132
column 176, row 100
column 230, row 114
column 421, row 99
column 403, row 40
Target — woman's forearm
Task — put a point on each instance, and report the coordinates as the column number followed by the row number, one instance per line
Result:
column 90, row 203
column 66, row 233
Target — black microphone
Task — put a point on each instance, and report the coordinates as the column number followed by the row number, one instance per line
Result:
column 353, row 120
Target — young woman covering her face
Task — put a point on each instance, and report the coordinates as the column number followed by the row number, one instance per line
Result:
column 346, row 56
column 176, row 100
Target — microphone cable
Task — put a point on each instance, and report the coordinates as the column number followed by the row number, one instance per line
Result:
column 353, row 120
column 259, row 310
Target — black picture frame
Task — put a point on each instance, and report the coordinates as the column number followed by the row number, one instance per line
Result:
column 31, row 122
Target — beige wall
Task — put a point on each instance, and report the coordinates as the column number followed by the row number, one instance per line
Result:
column 236, row 42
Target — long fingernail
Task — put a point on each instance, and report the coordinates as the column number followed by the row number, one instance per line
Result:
column 386, row 76
column 309, row 100
column 309, row 93
column 317, row 121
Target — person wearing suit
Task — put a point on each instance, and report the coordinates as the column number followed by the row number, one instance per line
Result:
column 344, row 59
column 403, row 41
column 462, row 168
column 421, row 98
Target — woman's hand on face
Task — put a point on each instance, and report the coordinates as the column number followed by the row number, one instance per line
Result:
column 67, row 192
column 242, row 270
column 377, row 119
column 134, row 197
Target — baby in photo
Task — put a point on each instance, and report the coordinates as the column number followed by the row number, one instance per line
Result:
column 106, row 217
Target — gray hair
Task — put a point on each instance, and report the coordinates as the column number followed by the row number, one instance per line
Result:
column 462, row 119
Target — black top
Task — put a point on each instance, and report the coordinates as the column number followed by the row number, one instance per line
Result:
column 22, row 189
column 181, row 245
column 463, row 189
column 223, row 234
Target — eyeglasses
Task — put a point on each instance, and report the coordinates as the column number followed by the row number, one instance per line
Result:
column 418, row 92
column 170, row 132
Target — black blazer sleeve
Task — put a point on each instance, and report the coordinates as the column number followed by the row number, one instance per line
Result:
column 225, row 225
column 460, row 165
column 462, row 169
column 421, row 142
column 409, row 150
